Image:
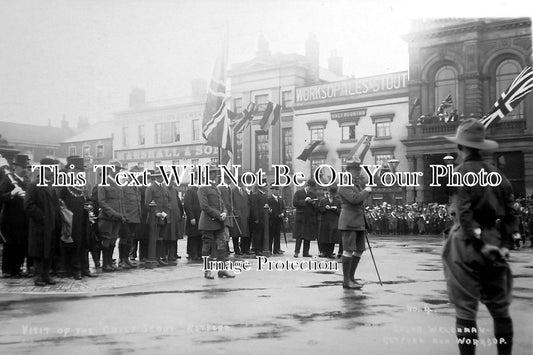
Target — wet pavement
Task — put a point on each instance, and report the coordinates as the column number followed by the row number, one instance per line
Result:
column 174, row 310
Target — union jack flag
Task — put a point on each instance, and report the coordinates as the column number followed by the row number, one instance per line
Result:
column 361, row 147
column 447, row 102
column 216, row 128
column 515, row 93
column 243, row 119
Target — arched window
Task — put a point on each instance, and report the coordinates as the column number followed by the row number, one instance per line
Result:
column 446, row 84
column 506, row 72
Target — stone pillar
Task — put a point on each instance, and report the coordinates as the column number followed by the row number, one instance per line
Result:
column 410, row 191
column 528, row 172
column 420, row 189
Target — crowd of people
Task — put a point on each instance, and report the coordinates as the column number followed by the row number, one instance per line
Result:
column 54, row 230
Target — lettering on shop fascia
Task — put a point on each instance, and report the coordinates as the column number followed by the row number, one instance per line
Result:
column 184, row 152
column 351, row 116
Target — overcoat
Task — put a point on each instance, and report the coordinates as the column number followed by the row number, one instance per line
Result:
column 191, row 204
column 305, row 216
column 241, row 209
column 212, row 206
column 42, row 208
column 328, row 231
column 176, row 215
column 14, row 222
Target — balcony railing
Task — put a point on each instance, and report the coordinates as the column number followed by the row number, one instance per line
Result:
column 502, row 128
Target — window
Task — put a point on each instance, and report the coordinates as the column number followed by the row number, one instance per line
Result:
column 348, row 132
column 195, row 130
column 261, row 150
column 286, row 99
column 315, row 163
column 86, row 150
column 163, row 133
column 506, row 72
column 238, row 148
column 72, row 150
column 446, row 84
column 99, row 150
column 286, row 149
column 140, row 137
column 124, row 136
column 237, row 105
column 317, row 134
column 176, row 131
column 261, row 102
column 383, row 129
column 382, row 159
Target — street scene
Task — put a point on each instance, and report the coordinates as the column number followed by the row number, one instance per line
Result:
column 253, row 177
column 175, row 310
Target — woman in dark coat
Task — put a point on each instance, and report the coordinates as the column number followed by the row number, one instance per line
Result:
column 329, row 208
column 193, row 210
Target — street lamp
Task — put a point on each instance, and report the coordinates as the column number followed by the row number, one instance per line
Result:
column 448, row 159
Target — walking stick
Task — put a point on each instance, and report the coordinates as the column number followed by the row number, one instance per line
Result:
column 374, row 260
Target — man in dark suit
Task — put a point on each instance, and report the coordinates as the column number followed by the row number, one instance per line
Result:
column 277, row 214
column 191, row 204
column 329, row 208
column 133, row 213
column 42, row 208
column 14, row 224
column 352, row 223
column 212, row 218
column 158, row 193
column 305, row 219
column 241, row 209
column 257, row 213
column 110, row 217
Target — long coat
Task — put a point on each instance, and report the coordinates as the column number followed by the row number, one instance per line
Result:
column 305, row 217
column 14, row 220
column 352, row 214
column 176, row 215
column 80, row 217
column 158, row 194
column 191, row 204
column 328, row 231
column 42, row 207
column 241, row 209
column 212, row 206
column 111, row 202
column 132, row 204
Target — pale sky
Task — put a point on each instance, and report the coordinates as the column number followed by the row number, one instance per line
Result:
column 83, row 57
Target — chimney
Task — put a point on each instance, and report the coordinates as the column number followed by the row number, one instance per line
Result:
column 83, row 123
column 64, row 122
column 263, row 49
column 335, row 63
column 199, row 88
column 312, row 53
column 137, row 98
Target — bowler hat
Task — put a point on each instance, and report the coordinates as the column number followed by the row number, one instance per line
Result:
column 471, row 133
column 354, row 163
column 21, row 160
column 76, row 162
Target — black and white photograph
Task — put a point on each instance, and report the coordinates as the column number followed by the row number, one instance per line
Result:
column 266, row 177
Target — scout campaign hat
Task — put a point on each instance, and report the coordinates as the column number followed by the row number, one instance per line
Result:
column 21, row 160
column 77, row 162
column 471, row 133
column 354, row 163
column 118, row 165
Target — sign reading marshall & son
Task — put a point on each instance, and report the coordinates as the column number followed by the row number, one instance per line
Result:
column 352, row 88
column 168, row 153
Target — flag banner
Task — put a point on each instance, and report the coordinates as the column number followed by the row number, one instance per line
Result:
column 215, row 124
column 361, row 147
column 270, row 116
column 447, row 102
column 306, row 153
column 510, row 98
column 244, row 118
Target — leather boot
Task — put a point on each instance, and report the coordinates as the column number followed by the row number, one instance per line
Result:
column 353, row 267
column 347, row 283
column 107, row 260
column 208, row 274
column 226, row 273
